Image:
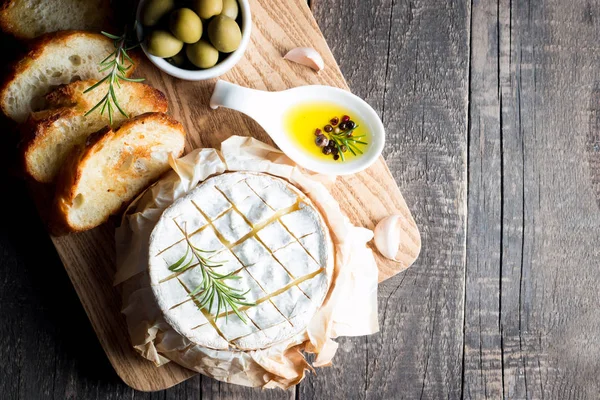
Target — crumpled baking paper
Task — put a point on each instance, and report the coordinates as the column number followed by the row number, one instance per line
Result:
column 350, row 308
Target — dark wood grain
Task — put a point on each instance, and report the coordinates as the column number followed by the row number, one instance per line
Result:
column 532, row 305
column 412, row 65
column 426, row 115
column 43, row 324
column 482, row 329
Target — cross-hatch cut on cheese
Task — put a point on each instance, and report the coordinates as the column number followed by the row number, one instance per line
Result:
column 263, row 230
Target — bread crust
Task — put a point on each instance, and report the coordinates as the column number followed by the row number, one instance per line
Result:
column 72, row 170
column 67, row 102
column 14, row 28
column 71, row 95
column 7, row 24
column 32, row 131
column 37, row 50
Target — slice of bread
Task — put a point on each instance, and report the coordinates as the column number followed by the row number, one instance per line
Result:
column 50, row 135
column 98, row 179
column 54, row 59
column 27, row 19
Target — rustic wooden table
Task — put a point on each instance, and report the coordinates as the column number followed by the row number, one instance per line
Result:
column 493, row 117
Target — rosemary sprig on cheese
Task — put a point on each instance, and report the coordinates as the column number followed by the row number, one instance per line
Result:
column 116, row 65
column 214, row 286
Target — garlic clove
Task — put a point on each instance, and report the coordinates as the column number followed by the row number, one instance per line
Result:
column 389, row 235
column 306, row 56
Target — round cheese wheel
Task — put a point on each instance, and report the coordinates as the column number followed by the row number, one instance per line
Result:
column 262, row 231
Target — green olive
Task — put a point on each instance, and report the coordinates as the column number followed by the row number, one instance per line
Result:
column 230, row 8
column 163, row 44
column 224, row 34
column 208, row 8
column 202, row 54
column 185, row 25
column 154, row 10
column 178, row 59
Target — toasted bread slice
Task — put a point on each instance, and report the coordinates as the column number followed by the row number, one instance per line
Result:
column 54, row 59
column 112, row 168
column 50, row 135
column 26, row 19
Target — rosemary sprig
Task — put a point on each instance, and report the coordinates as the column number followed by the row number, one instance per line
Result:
column 116, row 65
column 348, row 140
column 214, row 286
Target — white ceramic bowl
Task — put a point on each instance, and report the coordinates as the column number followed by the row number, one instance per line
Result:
column 202, row 74
column 270, row 108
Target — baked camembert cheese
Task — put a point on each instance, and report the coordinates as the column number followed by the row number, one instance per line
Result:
column 259, row 228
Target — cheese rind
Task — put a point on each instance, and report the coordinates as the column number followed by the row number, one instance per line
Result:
column 217, row 205
column 302, row 222
column 275, row 236
column 232, row 226
column 190, row 220
column 297, row 261
column 250, row 251
column 291, row 302
column 270, row 275
column 267, row 234
column 255, row 210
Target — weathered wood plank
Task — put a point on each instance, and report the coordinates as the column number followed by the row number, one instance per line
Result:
column 514, row 65
column 42, row 319
column 419, row 83
column 212, row 389
column 557, row 312
column 544, row 115
column 426, row 115
column 483, row 343
column 190, row 389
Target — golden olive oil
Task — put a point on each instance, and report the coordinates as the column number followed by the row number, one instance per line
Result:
column 301, row 121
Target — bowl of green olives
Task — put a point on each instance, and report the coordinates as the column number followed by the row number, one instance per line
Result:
column 194, row 39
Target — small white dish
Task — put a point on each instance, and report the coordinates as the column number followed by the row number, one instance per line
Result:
column 198, row 75
column 269, row 109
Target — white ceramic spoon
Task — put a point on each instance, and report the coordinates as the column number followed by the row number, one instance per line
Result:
column 269, row 108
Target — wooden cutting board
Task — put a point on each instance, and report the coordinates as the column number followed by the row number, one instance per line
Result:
column 366, row 198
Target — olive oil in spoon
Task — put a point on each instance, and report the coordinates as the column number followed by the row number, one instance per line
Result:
column 291, row 118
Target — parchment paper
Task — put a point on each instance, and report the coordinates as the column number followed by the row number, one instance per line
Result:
column 350, row 308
